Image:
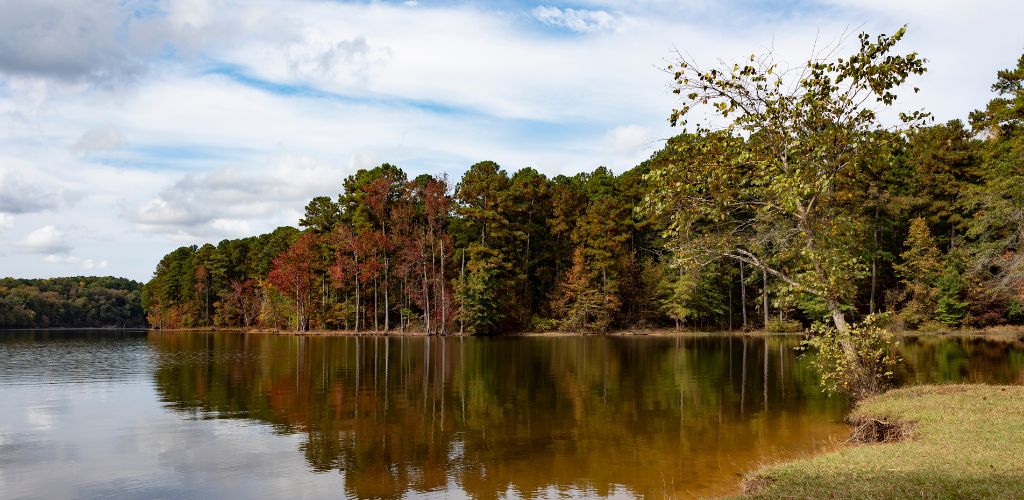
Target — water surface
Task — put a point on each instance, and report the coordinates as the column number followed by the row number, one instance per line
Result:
column 205, row 415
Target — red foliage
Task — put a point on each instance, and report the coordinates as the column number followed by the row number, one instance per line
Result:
column 293, row 274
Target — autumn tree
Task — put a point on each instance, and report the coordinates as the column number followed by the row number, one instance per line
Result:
column 426, row 251
column 600, row 236
column 582, row 306
column 369, row 198
column 293, row 274
column 345, row 270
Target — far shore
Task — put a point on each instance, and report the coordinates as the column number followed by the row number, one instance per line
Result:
column 1011, row 333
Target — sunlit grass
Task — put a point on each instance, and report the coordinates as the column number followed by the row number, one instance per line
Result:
column 966, row 441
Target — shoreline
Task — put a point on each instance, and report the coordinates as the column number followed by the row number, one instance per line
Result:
column 1008, row 333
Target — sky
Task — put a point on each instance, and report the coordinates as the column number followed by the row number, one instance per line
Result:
column 131, row 127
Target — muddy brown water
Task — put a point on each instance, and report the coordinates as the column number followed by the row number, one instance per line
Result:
column 86, row 414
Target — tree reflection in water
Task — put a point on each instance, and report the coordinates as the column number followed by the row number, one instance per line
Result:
column 657, row 416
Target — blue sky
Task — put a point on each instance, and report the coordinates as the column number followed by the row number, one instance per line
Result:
column 130, row 127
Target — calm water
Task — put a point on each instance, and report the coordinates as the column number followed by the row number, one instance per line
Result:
column 224, row 415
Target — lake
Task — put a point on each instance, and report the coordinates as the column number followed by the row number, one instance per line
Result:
column 99, row 414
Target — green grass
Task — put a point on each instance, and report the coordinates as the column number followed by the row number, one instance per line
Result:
column 965, row 441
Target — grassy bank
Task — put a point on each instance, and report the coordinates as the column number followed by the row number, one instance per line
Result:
column 953, row 441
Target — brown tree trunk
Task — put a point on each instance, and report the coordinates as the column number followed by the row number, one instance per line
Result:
column 356, row 263
column 730, row 300
column 874, row 265
column 426, row 302
column 298, row 311
column 764, row 296
column 444, row 303
column 387, row 302
column 462, row 279
column 743, row 294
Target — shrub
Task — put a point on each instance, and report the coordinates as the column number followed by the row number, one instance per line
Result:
column 776, row 325
column 1015, row 311
column 867, row 371
column 543, row 325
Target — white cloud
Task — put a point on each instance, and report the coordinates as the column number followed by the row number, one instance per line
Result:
column 89, row 264
column 235, row 227
column 629, row 138
column 68, row 40
column 19, row 195
column 114, row 42
column 45, row 240
column 223, row 203
column 98, row 139
column 322, row 59
column 220, row 118
column 578, row 20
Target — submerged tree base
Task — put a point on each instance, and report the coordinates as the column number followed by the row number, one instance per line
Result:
column 946, row 441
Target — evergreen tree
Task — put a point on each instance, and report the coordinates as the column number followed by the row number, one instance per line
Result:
column 920, row 272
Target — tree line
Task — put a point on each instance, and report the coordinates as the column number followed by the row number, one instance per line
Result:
column 801, row 208
column 74, row 302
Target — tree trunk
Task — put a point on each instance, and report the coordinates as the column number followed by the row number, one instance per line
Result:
column 462, row 279
column 874, row 265
column 838, row 318
column 730, row 299
column 764, row 296
column 444, row 303
column 843, row 328
column 387, row 302
column 432, row 283
column 743, row 294
column 357, row 292
column 874, row 282
column 426, row 302
column 298, row 311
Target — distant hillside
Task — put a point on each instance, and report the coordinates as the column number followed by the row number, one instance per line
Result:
column 73, row 302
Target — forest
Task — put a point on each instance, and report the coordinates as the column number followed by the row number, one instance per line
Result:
column 802, row 208
column 74, row 302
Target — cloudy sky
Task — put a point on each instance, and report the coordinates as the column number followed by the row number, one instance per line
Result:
column 131, row 127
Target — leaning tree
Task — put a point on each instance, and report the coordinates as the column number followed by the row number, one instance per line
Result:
column 773, row 186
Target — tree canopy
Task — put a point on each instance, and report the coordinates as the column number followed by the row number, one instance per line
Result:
column 809, row 202
column 74, row 302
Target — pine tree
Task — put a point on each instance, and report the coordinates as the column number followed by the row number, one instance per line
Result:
column 950, row 308
column 476, row 292
column 920, row 272
column 584, row 306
